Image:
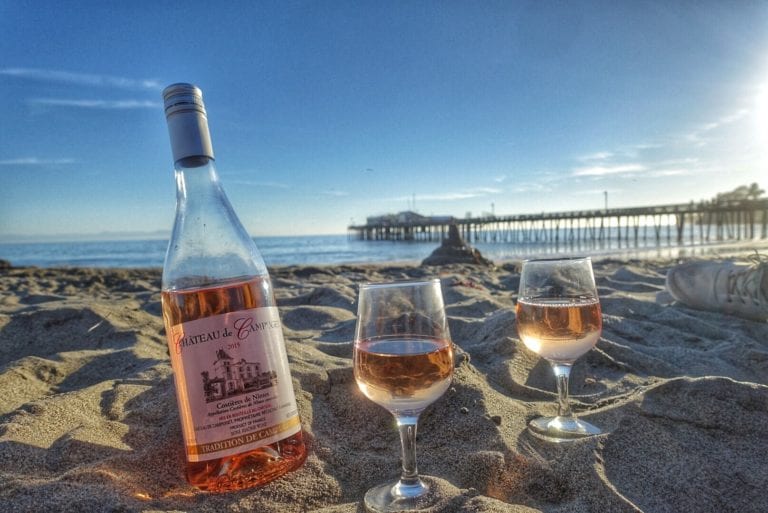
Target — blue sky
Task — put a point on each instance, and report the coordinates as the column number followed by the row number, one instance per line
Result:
column 322, row 113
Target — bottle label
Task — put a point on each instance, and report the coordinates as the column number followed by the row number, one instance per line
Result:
column 233, row 383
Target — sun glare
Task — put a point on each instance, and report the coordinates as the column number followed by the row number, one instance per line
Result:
column 761, row 113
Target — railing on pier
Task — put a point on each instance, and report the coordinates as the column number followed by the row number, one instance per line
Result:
column 703, row 221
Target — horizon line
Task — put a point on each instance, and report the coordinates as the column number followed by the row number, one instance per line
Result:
column 15, row 238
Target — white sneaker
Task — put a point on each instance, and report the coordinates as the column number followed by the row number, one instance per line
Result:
column 725, row 287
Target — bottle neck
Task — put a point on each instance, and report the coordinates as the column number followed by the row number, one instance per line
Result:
column 197, row 181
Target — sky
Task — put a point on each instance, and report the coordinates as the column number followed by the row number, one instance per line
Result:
column 324, row 113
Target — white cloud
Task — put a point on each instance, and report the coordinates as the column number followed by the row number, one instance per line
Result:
column 477, row 192
column 698, row 134
column 34, row 161
column 254, row 183
column 334, row 192
column 530, row 187
column 88, row 79
column 617, row 154
column 734, row 117
column 671, row 172
column 482, row 191
column 618, row 169
column 646, row 146
column 600, row 155
column 96, row 104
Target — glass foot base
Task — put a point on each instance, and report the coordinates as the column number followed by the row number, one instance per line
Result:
column 561, row 429
column 391, row 498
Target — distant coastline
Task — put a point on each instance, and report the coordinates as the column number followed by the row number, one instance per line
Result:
column 114, row 237
column 15, row 238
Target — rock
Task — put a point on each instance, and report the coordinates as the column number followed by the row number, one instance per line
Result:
column 454, row 250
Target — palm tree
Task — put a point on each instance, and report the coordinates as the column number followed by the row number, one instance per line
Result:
column 754, row 191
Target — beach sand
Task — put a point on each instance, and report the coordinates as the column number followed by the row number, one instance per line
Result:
column 89, row 423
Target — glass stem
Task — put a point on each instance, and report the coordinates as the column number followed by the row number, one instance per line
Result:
column 562, row 372
column 407, row 428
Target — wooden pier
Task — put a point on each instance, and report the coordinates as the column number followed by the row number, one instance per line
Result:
column 704, row 222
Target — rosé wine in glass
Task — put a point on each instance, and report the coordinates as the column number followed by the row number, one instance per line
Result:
column 558, row 317
column 403, row 361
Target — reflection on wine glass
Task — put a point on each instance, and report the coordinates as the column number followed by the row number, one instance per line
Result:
column 558, row 318
column 403, row 361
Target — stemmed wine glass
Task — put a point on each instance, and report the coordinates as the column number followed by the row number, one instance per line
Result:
column 403, row 361
column 558, row 318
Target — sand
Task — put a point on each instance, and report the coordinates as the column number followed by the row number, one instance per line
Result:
column 88, row 417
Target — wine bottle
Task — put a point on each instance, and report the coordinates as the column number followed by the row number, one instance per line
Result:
column 236, row 402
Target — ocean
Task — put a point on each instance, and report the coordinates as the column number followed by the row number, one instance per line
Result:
column 324, row 249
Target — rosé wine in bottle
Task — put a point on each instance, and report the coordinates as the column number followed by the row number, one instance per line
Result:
column 236, row 401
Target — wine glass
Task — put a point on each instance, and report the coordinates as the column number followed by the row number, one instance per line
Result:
column 403, row 361
column 558, row 318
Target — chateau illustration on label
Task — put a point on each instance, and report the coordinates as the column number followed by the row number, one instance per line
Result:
column 231, row 378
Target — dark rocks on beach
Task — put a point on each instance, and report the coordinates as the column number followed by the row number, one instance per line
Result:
column 454, row 250
column 4, row 264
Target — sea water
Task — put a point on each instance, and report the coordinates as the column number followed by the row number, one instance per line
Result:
column 324, row 249
column 305, row 250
